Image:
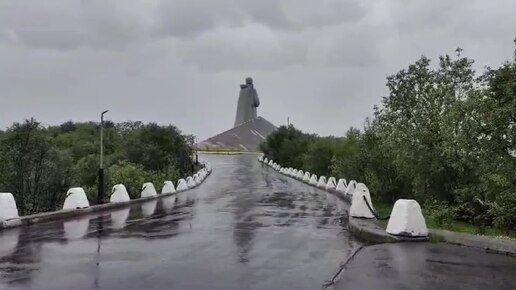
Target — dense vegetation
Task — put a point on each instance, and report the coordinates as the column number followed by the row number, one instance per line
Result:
column 443, row 135
column 39, row 163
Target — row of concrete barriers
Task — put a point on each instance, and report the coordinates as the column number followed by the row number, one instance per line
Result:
column 406, row 219
column 76, row 199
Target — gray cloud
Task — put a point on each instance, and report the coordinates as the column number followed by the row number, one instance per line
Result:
column 321, row 63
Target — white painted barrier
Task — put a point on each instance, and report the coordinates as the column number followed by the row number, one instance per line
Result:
column 197, row 179
column 168, row 187
column 181, row 185
column 306, row 177
column 119, row 194
column 322, row 182
column 313, row 180
column 8, row 209
column 148, row 190
column 331, row 184
column 352, row 187
column 342, row 186
column 201, row 175
column 76, row 198
column 271, row 162
column 190, row 182
column 359, row 207
column 407, row 219
column 260, row 158
column 300, row 174
column 266, row 161
column 294, row 173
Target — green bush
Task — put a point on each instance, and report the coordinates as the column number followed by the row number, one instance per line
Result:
column 443, row 135
column 505, row 211
column 440, row 213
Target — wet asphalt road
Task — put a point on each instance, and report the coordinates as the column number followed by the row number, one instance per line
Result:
column 246, row 227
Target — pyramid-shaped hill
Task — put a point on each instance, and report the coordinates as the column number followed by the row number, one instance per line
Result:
column 246, row 136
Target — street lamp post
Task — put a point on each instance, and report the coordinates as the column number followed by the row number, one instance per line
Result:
column 100, row 195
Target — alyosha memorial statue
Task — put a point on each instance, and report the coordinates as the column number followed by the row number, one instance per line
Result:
column 249, row 130
column 248, row 101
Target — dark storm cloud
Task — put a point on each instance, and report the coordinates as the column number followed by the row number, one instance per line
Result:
column 181, row 61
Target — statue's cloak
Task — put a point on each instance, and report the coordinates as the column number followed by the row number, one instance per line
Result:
column 248, row 101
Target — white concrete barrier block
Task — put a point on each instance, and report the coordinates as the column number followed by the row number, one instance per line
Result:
column 407, row 219
column 294, row 173
column 148, row 190
column 201, row 175
column 342, row 185
column 331, row 184
column 306, row 177
column 76, row 198
column 322, row 182
column 197, row 179
column 119, row 194
column 359, row 207
column 168, row 187
column 300, row 174
column 8, row 209
column 271, row 162
column 181, row 185
column 190, row 182
column 351, row 188
column 260, row 158
column 313, row 180
column 266, row 161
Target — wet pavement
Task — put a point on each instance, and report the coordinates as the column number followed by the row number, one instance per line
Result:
column 245, row 227
column 428, row 266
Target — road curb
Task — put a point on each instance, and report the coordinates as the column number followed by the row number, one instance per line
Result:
column 485, row 243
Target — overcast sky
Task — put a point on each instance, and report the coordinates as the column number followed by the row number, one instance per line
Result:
column 323, row 63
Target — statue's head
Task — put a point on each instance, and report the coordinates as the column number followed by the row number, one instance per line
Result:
column 249, row 81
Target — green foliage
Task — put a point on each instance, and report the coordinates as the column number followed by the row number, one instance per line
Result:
column 442, row 135
column 287, row 146
column 439, row 213
column 134, row 175
column 38, row 164
column 505, row 211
